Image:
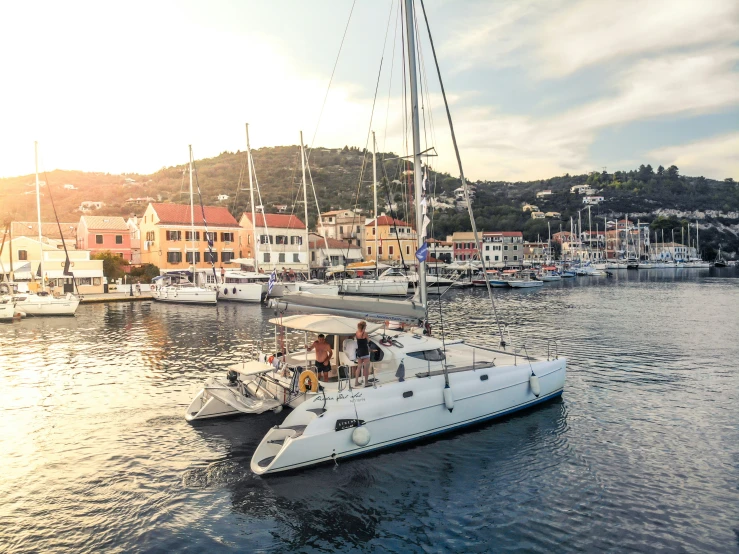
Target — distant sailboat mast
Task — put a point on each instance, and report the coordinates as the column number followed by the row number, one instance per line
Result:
column 305, row 204
column 192, row 220
column 374, row 180
column 38, row 214
column 251, row 194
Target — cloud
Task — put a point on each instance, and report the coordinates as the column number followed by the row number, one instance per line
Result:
column 715, row 157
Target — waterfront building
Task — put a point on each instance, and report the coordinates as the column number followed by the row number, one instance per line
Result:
column 343, row 225
column 332, row 252
column 277, row 241
column 535, row 253
column 503, row 248
column 395, row 240
column 135, row 233
column 169, row 242
column 102, row 233
column 463, row 246
column 441, row 250
column 21, row 261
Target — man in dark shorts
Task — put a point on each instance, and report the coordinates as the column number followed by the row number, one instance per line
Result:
column 323, row 357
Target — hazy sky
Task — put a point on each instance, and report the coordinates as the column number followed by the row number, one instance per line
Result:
column 538, row 87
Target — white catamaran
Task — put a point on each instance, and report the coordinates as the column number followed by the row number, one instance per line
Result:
column 422, row 385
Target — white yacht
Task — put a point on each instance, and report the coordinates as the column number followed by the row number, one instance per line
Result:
column 7, row 308
column 176, row 288
column 243, row 286
column 525, row 280
column 420, row 387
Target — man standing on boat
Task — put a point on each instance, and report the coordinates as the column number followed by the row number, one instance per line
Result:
column 323, row 357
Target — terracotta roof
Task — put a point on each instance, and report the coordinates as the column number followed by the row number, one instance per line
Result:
column 104, row 223
column 179, row 214
column 332, row 243
column 504, row 233
column 278, row 221
column 387, row 220
column 49, row 230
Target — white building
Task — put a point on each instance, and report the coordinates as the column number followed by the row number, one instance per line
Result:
column 592, row 200
column 133, row 227
column 331, row 252
column 543, row 193
column 277, row 240
column 222, row 197
column 69, row 187
column 537, row 215
column 441, row 250
column 89, row 206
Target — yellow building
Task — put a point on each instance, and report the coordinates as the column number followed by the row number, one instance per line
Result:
column 395, row 240
column 168, row 242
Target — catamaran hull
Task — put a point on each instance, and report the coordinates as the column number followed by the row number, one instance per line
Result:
column 418, row 410
column 240, row 292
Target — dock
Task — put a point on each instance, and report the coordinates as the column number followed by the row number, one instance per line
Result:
column 114, row 297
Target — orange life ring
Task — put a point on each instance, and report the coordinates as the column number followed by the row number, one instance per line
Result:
column 308, row 381
column 270, row 359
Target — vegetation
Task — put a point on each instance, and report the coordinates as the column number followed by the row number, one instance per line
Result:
column 144, row 273
column 113, row 265
column 343, row 179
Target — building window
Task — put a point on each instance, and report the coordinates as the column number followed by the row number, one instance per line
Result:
column 98, row 239
column 497, row 258
column 280, row 239
column 84, row 281
column 505, row 247
column 341, row 229
column 390, row 250
column 264, row 239
column 379, row 250
column 226, row 257
column 281, row 258
column 174, row 236
column 210, row 237
column 296, row 258
column 119, row 239
column 515, row 258
column 515, row 247
column 211, row 257
column 150, row 236
column 266, row 257
column 487, row 258
column 23, row 255
column 369, row 250
column 296, row 240
column 119, row 254
column 227, row 237
column 407, row 249
column 312, row 256
column 189, row 257
column 96, row 281
column 174, row 257
column 188, row 235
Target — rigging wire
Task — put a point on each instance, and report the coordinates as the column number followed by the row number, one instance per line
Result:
column 328, row 89
column 461, row 173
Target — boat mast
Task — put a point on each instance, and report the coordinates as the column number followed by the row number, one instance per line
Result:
column 590, row 234
column 697, row 242
column 305, row 205
column 374, row 179
column 549, row 242
column 192, row 219
column 253, row 210
column 38, row 214
column 411, row 40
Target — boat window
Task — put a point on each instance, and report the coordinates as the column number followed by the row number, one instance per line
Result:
column 376, row 353
column 435, row 355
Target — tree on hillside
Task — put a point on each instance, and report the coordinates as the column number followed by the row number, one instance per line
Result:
column 112, row 264
column 673, row 173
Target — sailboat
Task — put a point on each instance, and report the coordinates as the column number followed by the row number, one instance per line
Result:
column 45, row 303
column 720, row 261
column 422, row 385
column 176, row 286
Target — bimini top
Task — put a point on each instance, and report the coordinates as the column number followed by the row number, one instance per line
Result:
column 252, row 367
column 322, row 323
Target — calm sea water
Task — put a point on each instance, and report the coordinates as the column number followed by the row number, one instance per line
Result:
column 640, row 454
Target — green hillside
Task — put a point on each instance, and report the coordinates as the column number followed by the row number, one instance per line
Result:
column 336, row 176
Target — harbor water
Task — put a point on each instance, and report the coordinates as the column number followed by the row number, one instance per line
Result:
column 640, row 454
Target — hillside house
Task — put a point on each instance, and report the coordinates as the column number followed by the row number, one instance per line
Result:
column 223, row 197
column 89, row 206
column 538, row 215
column 543, row 193
column 592, row 200
column 69, row 187
column 530, row 208
column 345, row 225
column 553, row 215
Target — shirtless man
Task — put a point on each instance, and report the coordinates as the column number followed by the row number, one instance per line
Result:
column 323, row 357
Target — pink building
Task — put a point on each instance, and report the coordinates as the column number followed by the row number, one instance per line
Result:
column 99, row 233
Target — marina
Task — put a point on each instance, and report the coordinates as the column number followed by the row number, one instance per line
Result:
column 126, row 471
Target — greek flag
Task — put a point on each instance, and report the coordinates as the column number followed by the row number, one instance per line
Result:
column 272, row 279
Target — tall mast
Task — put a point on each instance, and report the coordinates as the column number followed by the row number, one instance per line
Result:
column 38, row 214
column 697, row 242
column 549, row 242
column 305, row 202
column 253, row 210
column 590, row 234
column 374, row 179
column 411, row 40
column 192, row 219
